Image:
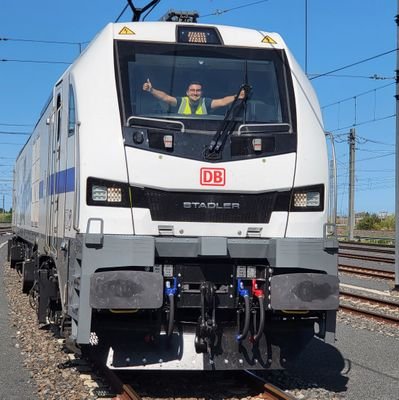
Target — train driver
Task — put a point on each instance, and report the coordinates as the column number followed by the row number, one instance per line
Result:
column 193, row 102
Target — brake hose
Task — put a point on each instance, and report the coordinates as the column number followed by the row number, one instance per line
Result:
column 245, row 294
column 258, row 334
column 260, row 295
column 170, row 292
column 171, row 314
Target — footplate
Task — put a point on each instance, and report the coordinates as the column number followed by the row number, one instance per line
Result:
column 178, row 352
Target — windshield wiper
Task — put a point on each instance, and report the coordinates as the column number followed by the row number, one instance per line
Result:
column 213, row 151
column 156, row 123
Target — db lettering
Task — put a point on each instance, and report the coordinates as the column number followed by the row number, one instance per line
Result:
column 213, row 177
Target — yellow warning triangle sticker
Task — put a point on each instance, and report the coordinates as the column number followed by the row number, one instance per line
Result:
column 268, row 39
column 126, row 31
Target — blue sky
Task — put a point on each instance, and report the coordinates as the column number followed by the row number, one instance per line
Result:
column 340, row 33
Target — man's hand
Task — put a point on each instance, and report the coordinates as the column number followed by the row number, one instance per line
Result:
column 242, row 94
column 147, row 86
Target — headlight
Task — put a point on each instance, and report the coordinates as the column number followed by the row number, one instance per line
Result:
column 101, row 192
column 308, row 198
column 114, row 195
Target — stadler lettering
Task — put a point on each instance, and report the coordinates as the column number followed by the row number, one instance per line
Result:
column 211, row 205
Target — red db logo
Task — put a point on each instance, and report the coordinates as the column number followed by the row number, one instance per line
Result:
column 213, row 176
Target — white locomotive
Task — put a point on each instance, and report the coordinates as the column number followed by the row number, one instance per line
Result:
column 178, row 236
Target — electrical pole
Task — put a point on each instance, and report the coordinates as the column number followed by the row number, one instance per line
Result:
column 397, row 157
column 351, row 205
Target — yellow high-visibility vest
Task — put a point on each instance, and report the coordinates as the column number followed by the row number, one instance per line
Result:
column 186, row 109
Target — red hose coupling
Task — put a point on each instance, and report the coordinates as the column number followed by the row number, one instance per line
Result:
column 255, row 291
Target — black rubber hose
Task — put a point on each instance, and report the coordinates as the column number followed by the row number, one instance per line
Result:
column 171, row 314
column 244, row 332
column 261, row 319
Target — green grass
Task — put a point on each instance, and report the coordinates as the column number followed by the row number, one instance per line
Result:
column 4, row 218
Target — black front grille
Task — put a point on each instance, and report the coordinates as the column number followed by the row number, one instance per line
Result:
column 209, row 207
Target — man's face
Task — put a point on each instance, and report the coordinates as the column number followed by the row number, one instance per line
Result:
column 194, row 92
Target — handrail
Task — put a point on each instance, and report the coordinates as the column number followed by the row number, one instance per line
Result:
column 76, row 195
column 167, row 121
column 265, row 125
column 333, row 186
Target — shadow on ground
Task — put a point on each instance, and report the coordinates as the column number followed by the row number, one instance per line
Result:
column 321, row 365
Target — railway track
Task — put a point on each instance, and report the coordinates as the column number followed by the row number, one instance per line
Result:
column 121, row 389
column 371, row 307
column 345, row 252
column 364, row 257
column 369, row 272
column 370, row 249
column 5, row 229
column 270, row 391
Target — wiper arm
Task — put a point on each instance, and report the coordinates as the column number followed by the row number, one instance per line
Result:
column 227, row 126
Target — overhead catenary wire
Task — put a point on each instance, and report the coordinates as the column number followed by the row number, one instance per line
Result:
column 375, row 157
column 373, row 151
column 35, row 61
column 355, row 63
column 41, row 41
column 374, row 77
column 9, row 124
column 375, row 141
column 216, row 12
column 220, row 12
column 14, row 133
column 358, row 95
column 363, row 123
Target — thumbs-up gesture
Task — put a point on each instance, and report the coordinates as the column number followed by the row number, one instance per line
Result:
column 147, row 86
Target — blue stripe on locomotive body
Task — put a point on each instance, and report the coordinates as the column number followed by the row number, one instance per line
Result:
column 60, row 182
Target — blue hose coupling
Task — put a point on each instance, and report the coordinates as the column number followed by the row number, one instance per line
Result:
column 240, row 288
column 171, row 290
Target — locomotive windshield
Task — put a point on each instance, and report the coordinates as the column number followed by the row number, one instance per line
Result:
column 197, row 84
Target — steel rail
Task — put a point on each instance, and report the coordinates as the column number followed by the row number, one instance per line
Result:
column 366, row 271
column 122, row 390
column 274, row 393
column 366, row 248
column 271, row 392
column 386, row 260
column 128, row 393
column 370, row 314
column 367, row 312
column 379, row 301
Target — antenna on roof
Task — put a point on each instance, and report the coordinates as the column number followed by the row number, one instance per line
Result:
column 137, row 12
column 180, row 16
